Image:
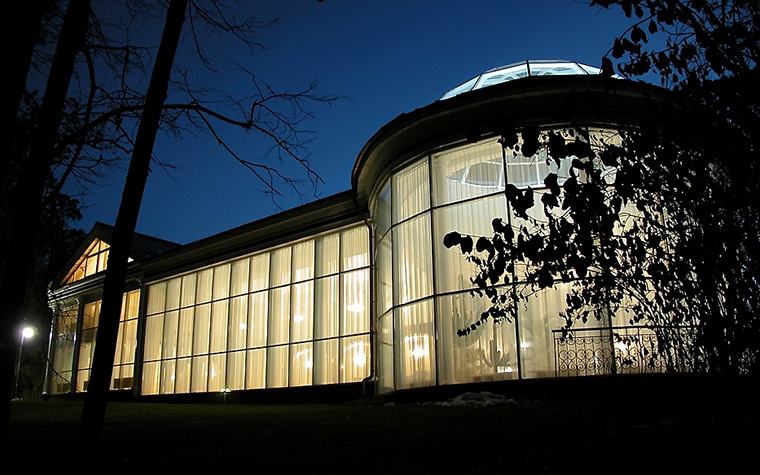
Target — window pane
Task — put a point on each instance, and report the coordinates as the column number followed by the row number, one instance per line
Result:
column 129, row 342
column 412, row 256
column 355, row 302
column 221, row 282
column 167, row 377
column 302, row 311
column 384, row 353
column 327, row 254
column 171, row 321
column 415, row 343
column 91, row 315
column 537, row 318
column 384, row 273
column 326, row 311
column 132, row 305
column 277, row 367
column 303, row 261
column 301, row 363
column 201, row 329
column 236, row 370
column 411, row 191
column 203, row 286
column 239, row 277
column 355, row 248
column 280, row 267
column 199, row 381
column 217, row 372
column 259, row 272
column 183, row 371
column 151, row 382
column 257, row 324
column 154, row 327
column 172, row 294
column 488, row 353
column 255, row 375
column 382, row 210
column 354, row 359
column 188, row 290
column 472, row 218
column 468, row 172
column 219, row 326
column 185, row 332
column 326, row 361
column 238, row 322
column 279, row 315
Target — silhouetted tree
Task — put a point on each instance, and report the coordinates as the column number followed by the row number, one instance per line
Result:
column 139, row 167
column 103, row 110
column 657, row 225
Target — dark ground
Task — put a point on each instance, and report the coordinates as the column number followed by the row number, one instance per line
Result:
column 672, row 428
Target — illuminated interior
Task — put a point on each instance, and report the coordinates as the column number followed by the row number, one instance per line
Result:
column 357, row 290
column 424, row 288
column 94, row 260
column 293, row 316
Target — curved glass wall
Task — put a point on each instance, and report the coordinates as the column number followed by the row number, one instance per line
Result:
column 293, row 316
column 423, row 288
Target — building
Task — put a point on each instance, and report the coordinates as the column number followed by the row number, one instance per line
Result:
column 355, row 293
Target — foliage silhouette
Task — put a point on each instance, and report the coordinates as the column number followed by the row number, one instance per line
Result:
column 656, row 225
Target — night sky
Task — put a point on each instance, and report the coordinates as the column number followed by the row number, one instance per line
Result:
column 384, row 58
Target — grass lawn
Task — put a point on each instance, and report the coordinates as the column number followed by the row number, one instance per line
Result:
column 678, row 433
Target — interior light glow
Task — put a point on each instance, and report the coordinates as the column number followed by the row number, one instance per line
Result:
column 622, row 346
column 419, row 344
column 298, row 318
column 524, row 344
column 243, row 326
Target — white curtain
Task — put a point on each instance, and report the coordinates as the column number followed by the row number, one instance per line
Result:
column 239, row 278
column 453, row 271
column 326, row 361
column 326, row 307
column 303, row 261
column 412, row 260
column 415, row 345
column 327, row 250
column 411, row 191
column 354, row 248
column 488, row 353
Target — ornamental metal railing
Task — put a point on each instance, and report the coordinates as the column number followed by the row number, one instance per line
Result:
column 621, row 350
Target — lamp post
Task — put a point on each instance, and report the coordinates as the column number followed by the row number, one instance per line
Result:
column 26, row 333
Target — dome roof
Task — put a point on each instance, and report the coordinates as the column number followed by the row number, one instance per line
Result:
column 510, row 72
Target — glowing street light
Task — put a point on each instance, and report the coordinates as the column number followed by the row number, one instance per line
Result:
column 26, row 333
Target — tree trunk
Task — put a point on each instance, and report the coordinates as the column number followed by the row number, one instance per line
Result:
column 95, row 403
column 25, row 24
column 26, row 216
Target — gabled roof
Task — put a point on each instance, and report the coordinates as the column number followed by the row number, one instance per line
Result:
column 143, row 246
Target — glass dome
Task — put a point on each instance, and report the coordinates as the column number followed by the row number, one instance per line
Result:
column 510, row 72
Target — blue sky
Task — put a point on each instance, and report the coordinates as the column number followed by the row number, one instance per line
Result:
column 383, row 57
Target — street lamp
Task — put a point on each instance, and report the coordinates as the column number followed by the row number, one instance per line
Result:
column 26, row 333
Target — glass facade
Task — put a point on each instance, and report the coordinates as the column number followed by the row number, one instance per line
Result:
column 293, row 316
column 93, row 261
column 423, row 289
column 72, row 345
column 62, row 345
column 126, row 343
